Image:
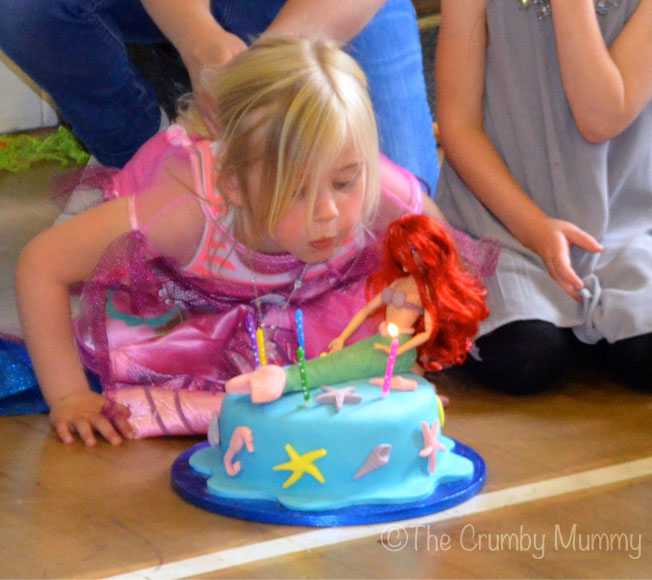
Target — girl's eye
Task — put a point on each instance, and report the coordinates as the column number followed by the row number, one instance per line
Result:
column 347, row 177
column 345, row 183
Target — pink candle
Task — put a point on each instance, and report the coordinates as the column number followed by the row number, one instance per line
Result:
column 391, row 359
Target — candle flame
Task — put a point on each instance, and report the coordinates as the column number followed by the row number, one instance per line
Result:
column 392, row 329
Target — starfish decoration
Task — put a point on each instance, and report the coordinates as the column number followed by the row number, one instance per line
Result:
column 431, row 443
column 300, row 464
column 338, row 397
column 396, row 383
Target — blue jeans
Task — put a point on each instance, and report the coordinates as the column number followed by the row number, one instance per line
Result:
column 75, row 50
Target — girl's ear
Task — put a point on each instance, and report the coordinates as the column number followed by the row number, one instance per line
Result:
column 232, row 190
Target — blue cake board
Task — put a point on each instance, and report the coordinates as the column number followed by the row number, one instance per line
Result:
column 191, row 486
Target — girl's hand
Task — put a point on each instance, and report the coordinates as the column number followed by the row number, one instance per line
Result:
column 552, row 243
column 335, row 345
column 81, row 413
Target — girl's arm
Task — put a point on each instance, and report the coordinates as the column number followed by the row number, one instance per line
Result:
column 460, row 74
column 606, row 87
column 354, row 323
column 52, row 262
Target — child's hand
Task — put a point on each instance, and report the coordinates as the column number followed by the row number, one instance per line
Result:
column 552, row 243
column 81, row 413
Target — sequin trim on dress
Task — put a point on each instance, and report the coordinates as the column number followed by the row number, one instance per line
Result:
column 544, row 10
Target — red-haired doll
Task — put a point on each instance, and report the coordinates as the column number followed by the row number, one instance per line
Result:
column 425, row 291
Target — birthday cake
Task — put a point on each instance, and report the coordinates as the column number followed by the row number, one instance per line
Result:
column 349, row 446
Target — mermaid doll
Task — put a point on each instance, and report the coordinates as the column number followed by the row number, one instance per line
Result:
column 423, row 289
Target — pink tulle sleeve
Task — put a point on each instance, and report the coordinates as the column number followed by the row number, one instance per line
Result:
column 164, row 204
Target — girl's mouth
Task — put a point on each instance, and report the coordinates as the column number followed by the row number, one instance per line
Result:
column 323, row 244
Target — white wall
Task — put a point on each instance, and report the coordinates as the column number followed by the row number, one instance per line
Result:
column 23, row 105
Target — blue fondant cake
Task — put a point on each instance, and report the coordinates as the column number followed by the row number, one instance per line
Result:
column 373, row 450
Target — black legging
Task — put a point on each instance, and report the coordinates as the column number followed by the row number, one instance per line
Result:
column 526, row 356
column 629, row 360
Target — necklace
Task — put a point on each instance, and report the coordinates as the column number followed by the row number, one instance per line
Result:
column 277, row 300
column 544, row 10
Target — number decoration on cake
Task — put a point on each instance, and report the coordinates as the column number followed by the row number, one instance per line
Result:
column 300, row 464
column 338, row 397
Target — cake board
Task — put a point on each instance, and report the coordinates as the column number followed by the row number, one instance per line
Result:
column 191, row 486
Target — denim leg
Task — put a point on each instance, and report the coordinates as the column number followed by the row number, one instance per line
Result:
column 247, row 19
column 389, row 51
column 76, row 51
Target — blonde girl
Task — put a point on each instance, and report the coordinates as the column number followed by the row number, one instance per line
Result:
column 200, row 241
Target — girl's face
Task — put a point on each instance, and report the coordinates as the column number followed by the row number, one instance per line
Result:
column 336, row 213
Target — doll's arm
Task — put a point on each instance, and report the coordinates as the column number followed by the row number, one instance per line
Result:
column 606, row 87
column 415, row 341
column 460, row 74
column 354, row 324
column 47, row 267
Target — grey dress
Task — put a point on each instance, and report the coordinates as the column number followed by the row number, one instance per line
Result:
column 605, row 189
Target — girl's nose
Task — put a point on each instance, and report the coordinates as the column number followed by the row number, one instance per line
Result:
column 325, row 206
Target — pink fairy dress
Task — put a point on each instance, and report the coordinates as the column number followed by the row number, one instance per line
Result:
column 146, row 321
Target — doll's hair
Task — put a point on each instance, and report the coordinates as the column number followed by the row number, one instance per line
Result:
column 290, row 104
column 419, row 246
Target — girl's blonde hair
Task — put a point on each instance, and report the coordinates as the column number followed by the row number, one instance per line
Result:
column 290, row 104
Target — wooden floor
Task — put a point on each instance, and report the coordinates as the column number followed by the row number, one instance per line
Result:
column 568, row 491
column 568, row 494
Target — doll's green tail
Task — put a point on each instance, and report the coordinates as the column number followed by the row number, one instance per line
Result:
column 357, row 361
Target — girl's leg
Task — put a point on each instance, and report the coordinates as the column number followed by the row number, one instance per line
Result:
column 522, row 357
column 629, row 360
column 75, row 50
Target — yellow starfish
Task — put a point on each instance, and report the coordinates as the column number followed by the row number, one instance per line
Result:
column 300, row 464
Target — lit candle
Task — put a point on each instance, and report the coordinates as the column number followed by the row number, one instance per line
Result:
column 251, row 331
column 260, row 340
column 392, row 330
column 301, row 356
column 298, row 318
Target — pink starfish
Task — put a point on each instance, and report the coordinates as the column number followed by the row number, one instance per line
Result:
column 396, row 383
column 431, row 443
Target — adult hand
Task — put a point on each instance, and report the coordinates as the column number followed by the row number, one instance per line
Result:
column 202, row 63
column 552, row 242
column 81, row 413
